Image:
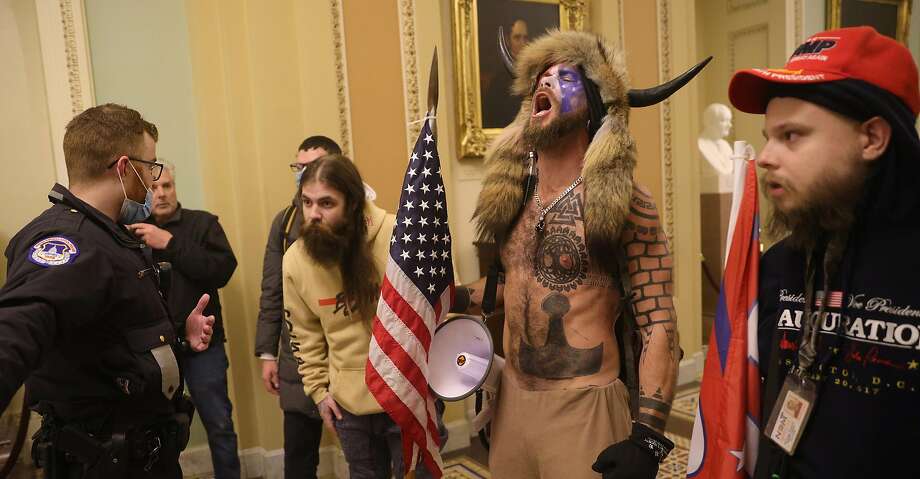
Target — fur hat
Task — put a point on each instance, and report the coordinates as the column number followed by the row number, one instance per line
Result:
column 609, row 161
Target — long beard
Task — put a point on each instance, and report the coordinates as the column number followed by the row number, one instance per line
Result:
column 829, row 210
column 540, row 137
column 324, row 244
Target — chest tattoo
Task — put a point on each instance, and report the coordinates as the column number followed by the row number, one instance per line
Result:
column 556, row 358
column 561, row 259
column 561, row 262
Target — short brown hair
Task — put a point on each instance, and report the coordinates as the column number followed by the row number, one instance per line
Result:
column 98, row 135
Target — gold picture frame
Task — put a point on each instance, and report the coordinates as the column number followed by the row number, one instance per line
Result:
column 897, row 18
column 473, row 137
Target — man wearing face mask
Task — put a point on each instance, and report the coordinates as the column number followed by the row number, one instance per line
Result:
column 194, row 243
column 82, row 320
column 302, row 424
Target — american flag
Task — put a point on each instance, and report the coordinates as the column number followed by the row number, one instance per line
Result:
column 417, row 292
column 835, row 299
column 727, row 427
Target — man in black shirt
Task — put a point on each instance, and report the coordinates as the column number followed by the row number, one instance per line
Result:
column 82, row 320
column 839, row 305
column 195, row 245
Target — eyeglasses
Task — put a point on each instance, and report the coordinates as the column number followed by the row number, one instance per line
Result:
column 156, row 169
column 296, row 167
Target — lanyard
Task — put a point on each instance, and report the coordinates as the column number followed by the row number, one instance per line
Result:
column 810, row 326
column 808, row 344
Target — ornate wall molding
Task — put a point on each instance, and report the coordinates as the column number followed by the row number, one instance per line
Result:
column 734, row 36
column 73, row 59
column 664, row 60
column 341, row 76
column 67, row 67
column 410, row 70
column 736, row 5
column 575, row 11
column 797, row 7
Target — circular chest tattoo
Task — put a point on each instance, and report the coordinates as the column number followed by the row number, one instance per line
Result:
column 561, row 262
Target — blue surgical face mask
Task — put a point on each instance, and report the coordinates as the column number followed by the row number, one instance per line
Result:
column 132, row 211
column 298, row 176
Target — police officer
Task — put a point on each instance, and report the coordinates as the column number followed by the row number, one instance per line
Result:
column 83, row 322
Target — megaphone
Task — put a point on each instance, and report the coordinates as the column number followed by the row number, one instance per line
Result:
column 461, row 359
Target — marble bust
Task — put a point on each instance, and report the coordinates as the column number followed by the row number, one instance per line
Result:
column 716, row 171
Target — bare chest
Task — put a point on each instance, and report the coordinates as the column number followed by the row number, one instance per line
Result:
column 559, row 305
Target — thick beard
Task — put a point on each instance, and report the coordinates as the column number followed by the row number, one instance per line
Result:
column 539, row 137
column 324, row 244
column 829, row 212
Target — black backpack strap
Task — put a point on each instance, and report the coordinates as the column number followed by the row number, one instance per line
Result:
column 288, row 222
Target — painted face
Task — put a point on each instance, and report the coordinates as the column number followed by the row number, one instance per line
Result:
column 809, row 150
column 560, row 86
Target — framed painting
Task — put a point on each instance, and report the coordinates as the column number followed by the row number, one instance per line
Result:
column 889, row 17
column 485, row 102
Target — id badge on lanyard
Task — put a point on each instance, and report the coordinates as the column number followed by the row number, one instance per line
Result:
column 790, row 414
column 797, row 398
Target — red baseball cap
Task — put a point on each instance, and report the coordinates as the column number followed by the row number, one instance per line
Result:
column 857, row 52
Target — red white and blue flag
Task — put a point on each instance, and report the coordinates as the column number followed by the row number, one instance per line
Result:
column 727, row 426
column 417, row 293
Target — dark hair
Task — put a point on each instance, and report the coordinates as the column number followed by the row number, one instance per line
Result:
column 319, row 141
column 358, row 269
column 98, row 135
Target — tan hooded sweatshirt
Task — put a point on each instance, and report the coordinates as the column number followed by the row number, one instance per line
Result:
column 329, row 345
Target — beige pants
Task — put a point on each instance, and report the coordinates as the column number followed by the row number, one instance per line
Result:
column 555, row 434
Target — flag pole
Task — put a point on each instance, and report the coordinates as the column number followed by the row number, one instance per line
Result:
column 433, row 92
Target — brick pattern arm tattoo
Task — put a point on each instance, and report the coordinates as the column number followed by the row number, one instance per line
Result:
column 650, row 268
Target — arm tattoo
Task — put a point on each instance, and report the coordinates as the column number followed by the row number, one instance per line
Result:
column 649, row 264
column 655, row 405
column 651, row 420
column 655, row 410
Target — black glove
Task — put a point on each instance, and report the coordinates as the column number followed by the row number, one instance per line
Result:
column 635, row 458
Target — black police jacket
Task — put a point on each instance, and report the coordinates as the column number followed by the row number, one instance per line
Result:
column 80, row 314
column 272, row 336
column 201, row 261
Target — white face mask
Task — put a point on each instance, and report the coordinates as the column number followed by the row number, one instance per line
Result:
column 132, row 211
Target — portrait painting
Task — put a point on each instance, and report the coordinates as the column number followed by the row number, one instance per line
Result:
column 888, row 17
column 486, row 102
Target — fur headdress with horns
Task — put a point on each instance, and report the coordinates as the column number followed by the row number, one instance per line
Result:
column 609, row 161
column 611, row 156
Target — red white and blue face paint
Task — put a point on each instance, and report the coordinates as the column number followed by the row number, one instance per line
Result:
column 567, row 86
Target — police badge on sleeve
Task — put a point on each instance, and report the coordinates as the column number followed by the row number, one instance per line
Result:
column 54, row 251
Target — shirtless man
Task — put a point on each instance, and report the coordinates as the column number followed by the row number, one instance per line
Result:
column 561, row 401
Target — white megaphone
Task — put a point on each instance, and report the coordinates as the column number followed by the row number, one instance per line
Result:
column 461, row 359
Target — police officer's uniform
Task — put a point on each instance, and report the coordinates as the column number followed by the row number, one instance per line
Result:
column 81, row 317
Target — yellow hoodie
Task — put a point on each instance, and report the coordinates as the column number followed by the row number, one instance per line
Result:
column 329, row 346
